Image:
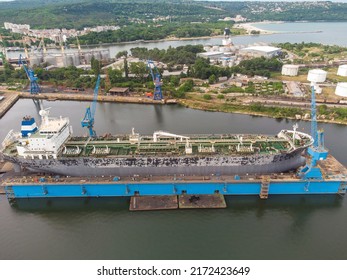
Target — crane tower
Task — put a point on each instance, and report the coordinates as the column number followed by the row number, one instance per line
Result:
column 88, row 120
column 158, row 95
column 34, row 87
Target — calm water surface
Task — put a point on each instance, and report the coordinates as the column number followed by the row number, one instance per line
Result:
column 282, row 227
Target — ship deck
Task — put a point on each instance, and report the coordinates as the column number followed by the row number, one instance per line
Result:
column 201, row 145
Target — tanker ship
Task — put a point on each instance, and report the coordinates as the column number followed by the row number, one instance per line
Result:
column 52, row 148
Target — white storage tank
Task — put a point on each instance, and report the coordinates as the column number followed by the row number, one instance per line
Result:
column 342, row 71
column 341, row 89
column 317, row 75
column 290, row 70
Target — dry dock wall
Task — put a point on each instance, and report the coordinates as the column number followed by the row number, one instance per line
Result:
column 173, row 188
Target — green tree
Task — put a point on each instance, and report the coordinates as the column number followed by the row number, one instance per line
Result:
column 138, row 69
column 212, row 79
column 95, row 65
column 122, row 53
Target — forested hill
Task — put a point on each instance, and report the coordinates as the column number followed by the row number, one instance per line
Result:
column 79, row 13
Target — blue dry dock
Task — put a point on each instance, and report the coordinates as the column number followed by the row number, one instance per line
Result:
column 331, row 180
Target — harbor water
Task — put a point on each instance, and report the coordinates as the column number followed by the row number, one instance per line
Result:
column 282, row 227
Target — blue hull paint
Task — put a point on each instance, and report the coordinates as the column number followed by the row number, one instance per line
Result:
column 170, row 188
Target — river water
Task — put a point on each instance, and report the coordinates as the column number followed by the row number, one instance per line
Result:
column 282, row 227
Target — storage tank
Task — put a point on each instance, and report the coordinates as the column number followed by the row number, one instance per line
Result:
column 341, row 89
column 342, row 71
column 317, row 76
column 290, row 70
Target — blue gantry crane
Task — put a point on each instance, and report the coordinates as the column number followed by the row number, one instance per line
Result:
column 34, row 86
column 88, row 120
column 317, row 151
column 157, row 95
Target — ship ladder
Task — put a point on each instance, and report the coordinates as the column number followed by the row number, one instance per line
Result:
column 342, row 189
column 264, row 190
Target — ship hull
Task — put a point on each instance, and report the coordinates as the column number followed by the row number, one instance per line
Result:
column 162, row 166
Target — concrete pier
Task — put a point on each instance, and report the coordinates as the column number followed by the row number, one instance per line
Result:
column 10, row 98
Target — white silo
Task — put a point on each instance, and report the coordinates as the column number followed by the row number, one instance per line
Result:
column 97, row 55
column 76, row 59
column 69, row 60
column 290, row 70
column 87, row 57
column 35, row 59
column 50, row 59
column 342, row 71
column 341, row 89
column 317, row 76
column 59, row 60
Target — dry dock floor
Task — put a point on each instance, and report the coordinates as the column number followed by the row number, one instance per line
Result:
column 167, row 202
column 163, row 202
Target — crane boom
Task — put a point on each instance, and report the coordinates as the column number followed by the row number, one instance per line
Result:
column 88, row 120
column 158, row 95
column 34, row 87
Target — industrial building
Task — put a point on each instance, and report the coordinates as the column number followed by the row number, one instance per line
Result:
column 212, row 55
column 259, row 51
column 69, row 59
column 119, row 91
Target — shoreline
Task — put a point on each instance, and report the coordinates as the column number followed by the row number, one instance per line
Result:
column 193, row 105
column 249, row 27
